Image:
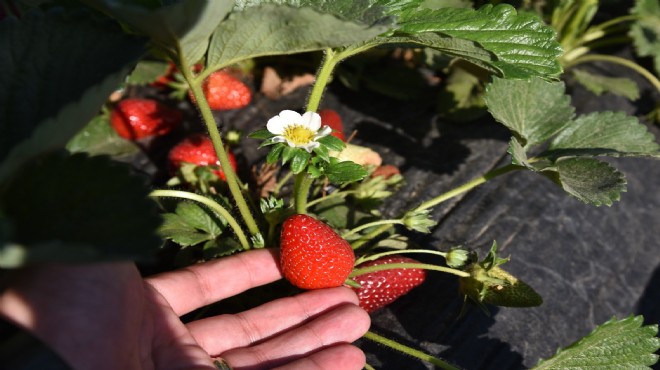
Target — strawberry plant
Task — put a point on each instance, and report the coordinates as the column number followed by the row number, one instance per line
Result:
column 75, row 185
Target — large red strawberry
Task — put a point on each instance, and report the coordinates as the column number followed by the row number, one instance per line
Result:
column 198, row 149
column 331, row 118
column 380, row 288
column 313, row 255
column 135, row 118
column 224, row 91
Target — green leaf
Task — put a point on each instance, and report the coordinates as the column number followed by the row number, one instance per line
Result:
column 299, row 161
column 261, row 135
column 603, row 133
column 190, row 225
column 180, row 28
column 616, row 344
column 341, row 214
column 277, row 30
column 332, row 143
column 322, row 152
column 599, row 84
column 518, row 155
column 221, row 247
column 288, row 153
column 275, row 154
column 589, row 180
column 92, row 209
column 45, row 99
column 646, row 31
column 366, row 12
column 147, row 71
column 534, row 110
column 523, row 45
column 344, row 172
column 99, row 138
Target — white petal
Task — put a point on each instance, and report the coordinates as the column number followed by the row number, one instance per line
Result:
column 311, row 146
column 290, row 117
column 325, row 131
column 276, row 125
column 278, row 139
column 311, row 120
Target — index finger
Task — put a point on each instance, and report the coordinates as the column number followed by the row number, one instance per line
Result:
column 195, row 286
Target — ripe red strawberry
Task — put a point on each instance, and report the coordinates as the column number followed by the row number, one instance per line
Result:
column 331, row 118
column 381, row 288
column 135, row 119
column 198, row 149
column 224, row 91
column 313, row 255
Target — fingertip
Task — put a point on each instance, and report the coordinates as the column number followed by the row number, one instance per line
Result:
column 341, row 356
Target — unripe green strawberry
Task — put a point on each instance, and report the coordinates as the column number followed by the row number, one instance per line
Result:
column 497, row 287
column 313, row 255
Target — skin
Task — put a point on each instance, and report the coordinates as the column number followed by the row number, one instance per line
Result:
column 106, row 316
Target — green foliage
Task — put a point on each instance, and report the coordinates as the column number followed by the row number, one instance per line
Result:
column 279, row 29
column 181, row 29
column 616, row 344
column 538, row 112
column 589, row 180
column 99, row 138
column 489, row 283
column 646, row 31
column 344, row 172
column 533, row 110
column 75, row 208
column 599, row 84
column 147, row 71
column 191, row 224
column 53, row 98
column 521, row 44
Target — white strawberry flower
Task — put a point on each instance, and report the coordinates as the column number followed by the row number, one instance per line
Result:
column 299, row 131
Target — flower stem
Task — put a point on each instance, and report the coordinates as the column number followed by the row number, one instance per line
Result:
column 376, row 256
column 215, row 206
column 360, row 242
column 336, row 194
column 617, row 60
column 369, row 367
column 393, row 266
column 323, row 77
column 301, row 192
column 214, row 133
column 467, row 186
column 408, row 351
column 372, row 224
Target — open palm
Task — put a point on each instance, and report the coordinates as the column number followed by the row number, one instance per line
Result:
column 105, row 316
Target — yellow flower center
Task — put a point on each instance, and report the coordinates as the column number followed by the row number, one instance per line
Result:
column 298, row 135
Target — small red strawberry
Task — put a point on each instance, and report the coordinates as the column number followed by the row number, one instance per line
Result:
column 135, row 118
column 381, row 288
column 163, row 81
column 331, row 118
column 313, row 255
column 225, row 91
column 198, row 149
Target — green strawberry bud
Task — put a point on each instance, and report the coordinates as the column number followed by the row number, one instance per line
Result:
column 419, row 221
column 497, row 287
column 458, row 257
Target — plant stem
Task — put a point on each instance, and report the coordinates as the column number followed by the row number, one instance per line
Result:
column 336, row 194
column 392, row 266
column 215, row 206
column 214, row 133
column 389, row 253
column 358, row 243
column 322, row 79
column 409, row 351
column 617, row 60
column 372, row 224
column 467, row 186
column 369, row 367
column 301, row 192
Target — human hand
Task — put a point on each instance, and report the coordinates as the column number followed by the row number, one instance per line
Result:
column 105, row 316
